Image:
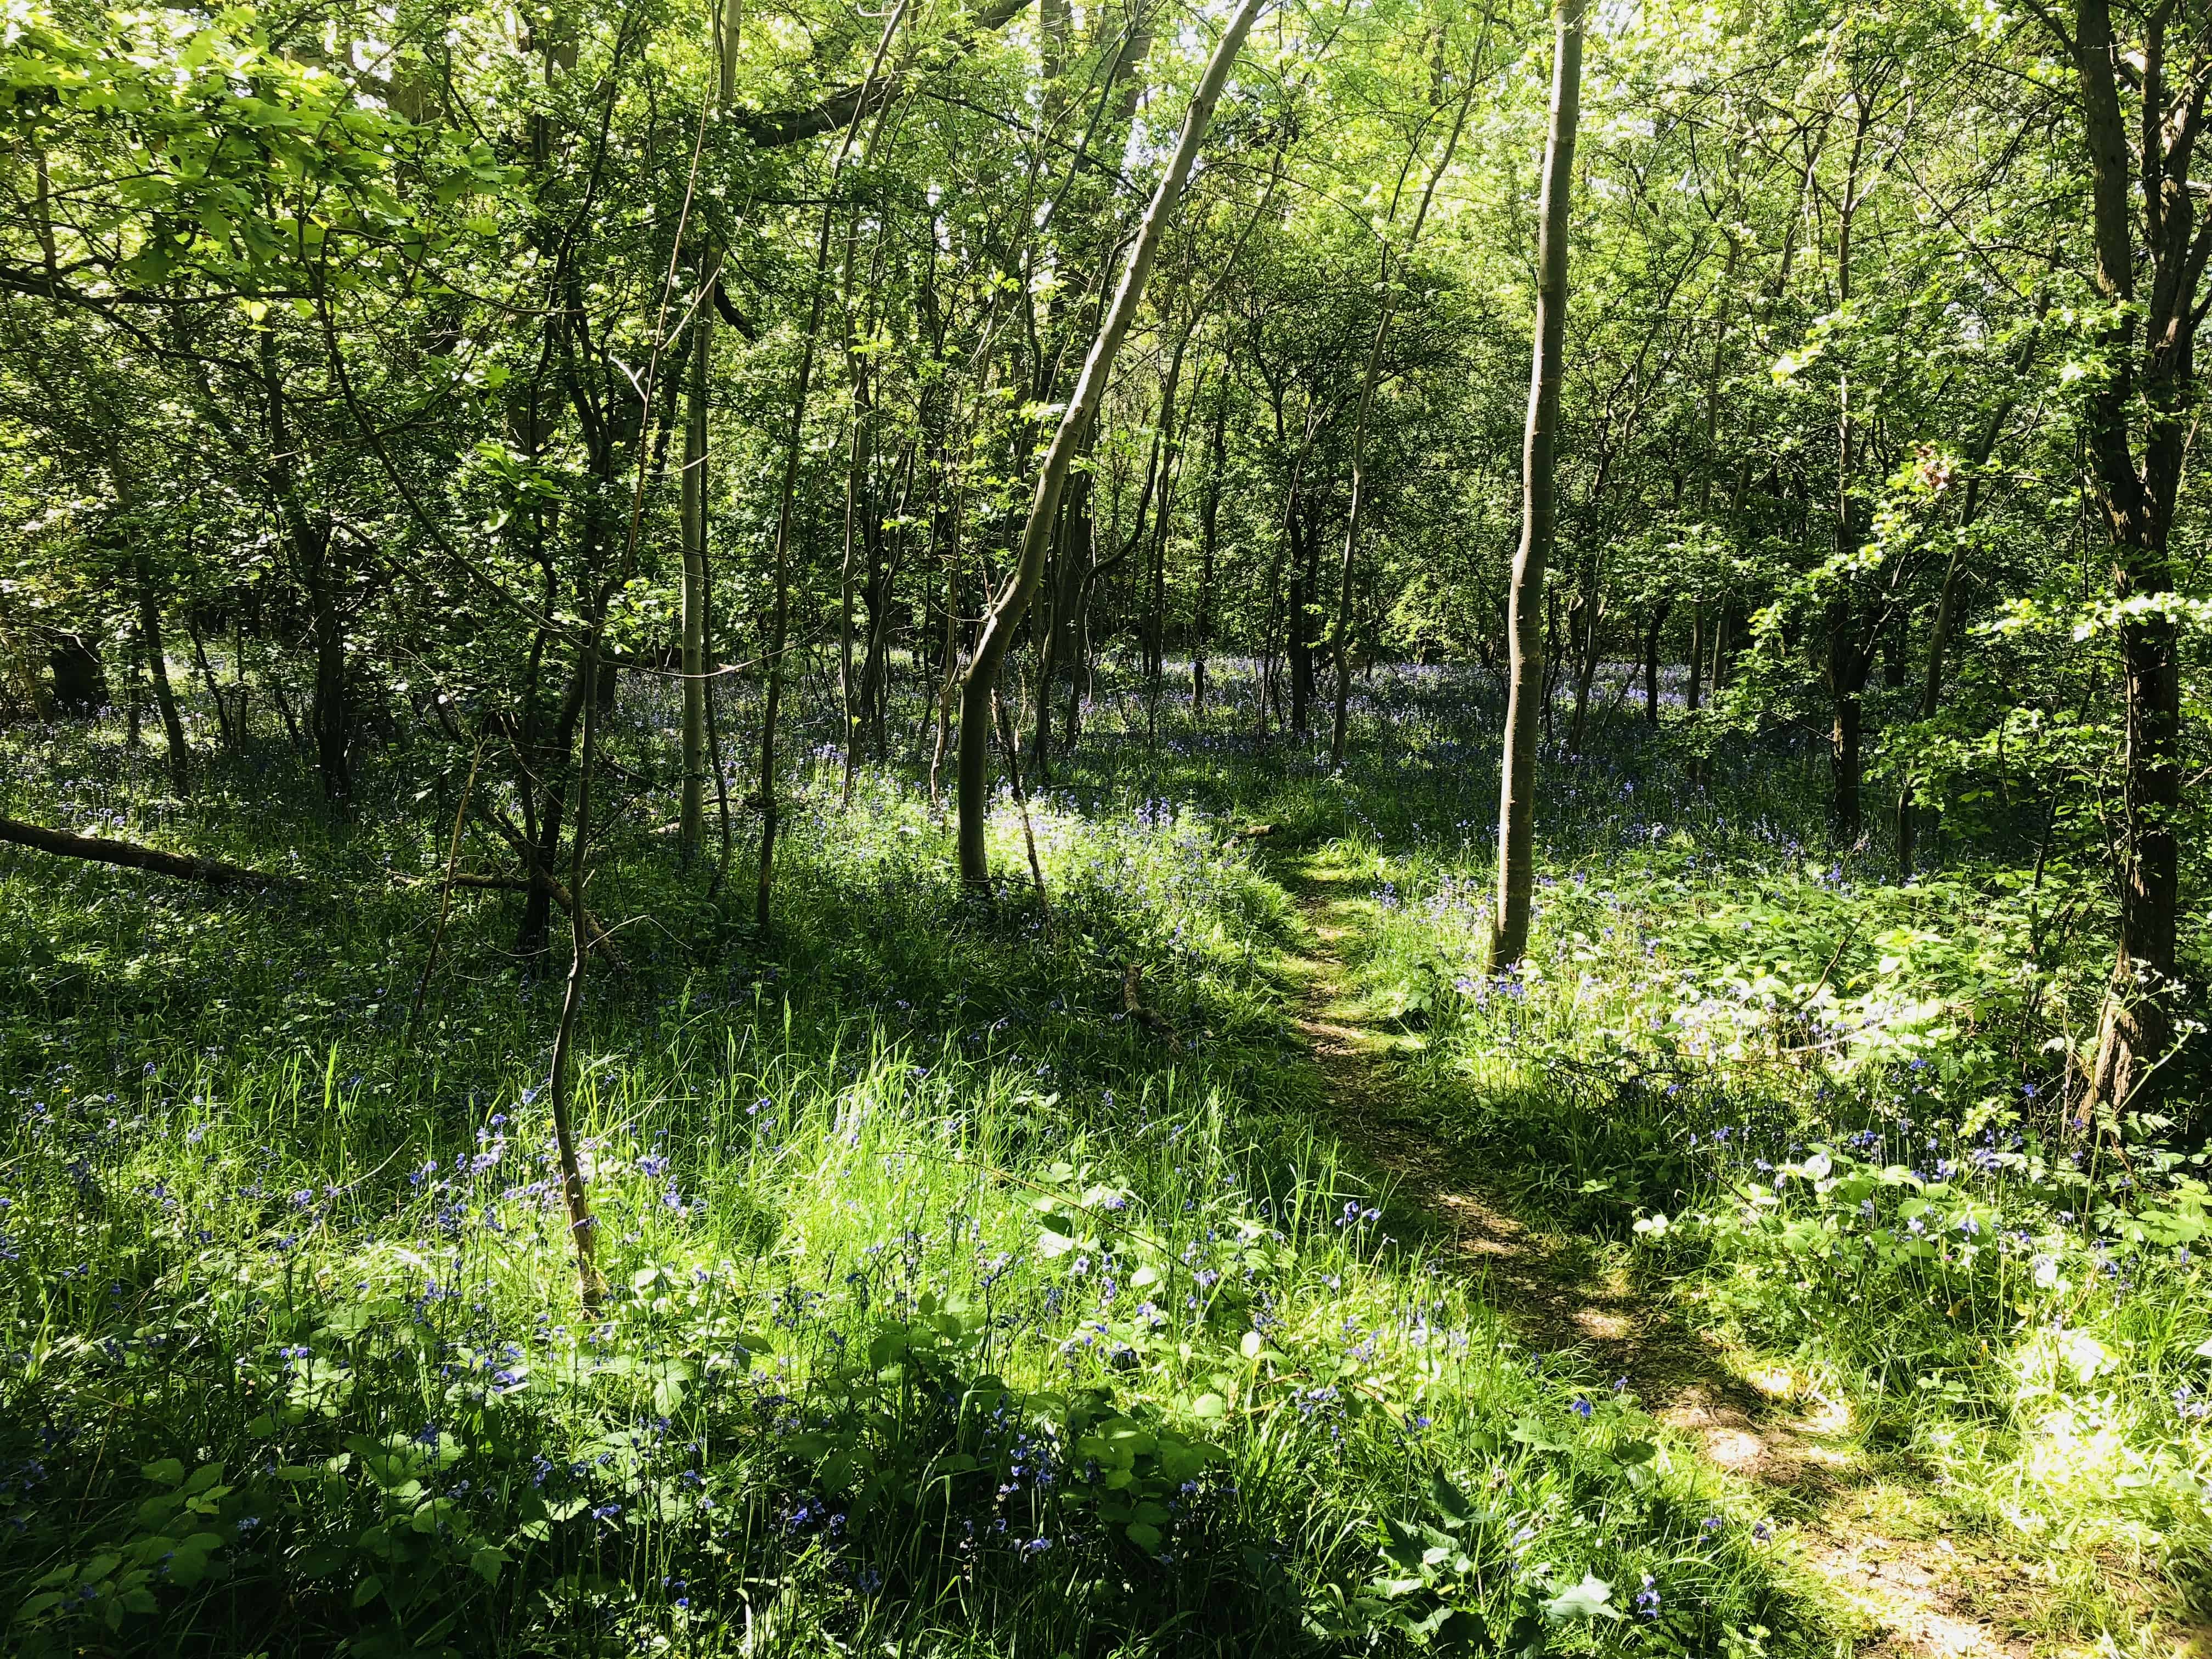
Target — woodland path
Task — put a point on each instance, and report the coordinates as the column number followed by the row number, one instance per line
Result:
column 1924, row 1591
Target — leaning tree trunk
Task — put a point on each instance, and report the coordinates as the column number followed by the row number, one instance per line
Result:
column 1005, row 615
column 1517, row 790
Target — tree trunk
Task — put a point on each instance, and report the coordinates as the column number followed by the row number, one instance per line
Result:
column 179, row 756
column 1298, row 642
column 1939, row 638
column 691, row 821
column 330, row 716
column 133, row 856
column 779, row 627
column 1517, row 792
column 1209, row 519
column 1850, row 655
column 2155, row 374
column 1586, row 668
column 1691, row 693
column 1651, row 664
column 1342, row 638
column 1005, row 615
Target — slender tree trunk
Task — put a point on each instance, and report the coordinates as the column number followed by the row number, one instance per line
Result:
column 779, row 628
column 1517, row 792
column 331, row 715
column 1947, row 602
column 583, row 1227
column 1651, row 663
column 1368, row 376
column 1849, row 656
column 1586, row 668
column 692, row 819
column 1299, row 641
column 179, row 755
column 1692, row 693
column 1209, row 519
column 1005, row 615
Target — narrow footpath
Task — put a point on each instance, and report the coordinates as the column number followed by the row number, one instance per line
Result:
column 1925, row 1590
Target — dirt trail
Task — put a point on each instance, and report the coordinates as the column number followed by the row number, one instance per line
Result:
column 1923, row 1597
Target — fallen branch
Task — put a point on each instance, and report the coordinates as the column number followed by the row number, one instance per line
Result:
column 133, row 856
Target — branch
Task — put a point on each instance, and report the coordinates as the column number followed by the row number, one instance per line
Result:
column 776, row 129
column 2049, row 20
column 133, row 856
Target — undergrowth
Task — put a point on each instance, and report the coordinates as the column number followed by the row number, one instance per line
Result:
column 1837, row 1119
column 955, row 1309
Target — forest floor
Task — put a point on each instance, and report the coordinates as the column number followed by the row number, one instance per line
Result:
column 1881, row 1539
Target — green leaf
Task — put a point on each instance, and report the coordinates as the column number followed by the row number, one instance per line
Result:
column 367, row 1590
column 1587, row 1600
column 1145, row 1535
column 1449, row 1499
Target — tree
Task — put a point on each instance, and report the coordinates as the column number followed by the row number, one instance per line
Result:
column 2151, row 245
column 1517, row 788
column 979, row 685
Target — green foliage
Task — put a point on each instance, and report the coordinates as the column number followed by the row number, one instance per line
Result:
column 990, row 1309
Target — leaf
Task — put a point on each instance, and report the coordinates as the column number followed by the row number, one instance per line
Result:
column 203, row 1477
column 1450, row 1500
column 1587, row 1600
column 1459, row 1632
column 367, row 1590
column 1250, row 1343
column 170, row 1470
column 1404, row 1547
column 1532, row 1432
column 1145, row 1535
column 1211, row 1406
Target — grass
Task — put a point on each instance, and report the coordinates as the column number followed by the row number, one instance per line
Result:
column 955, row 1311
